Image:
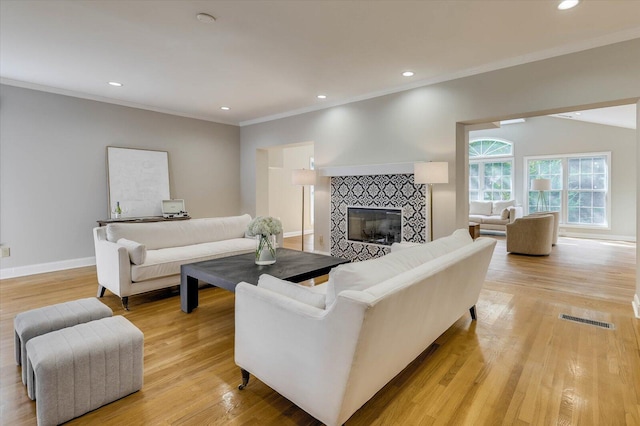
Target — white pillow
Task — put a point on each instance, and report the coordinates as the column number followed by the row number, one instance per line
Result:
column 137, row 251
column 505, row 214
column 480, row 207
column 498, row 206
column 292, row 290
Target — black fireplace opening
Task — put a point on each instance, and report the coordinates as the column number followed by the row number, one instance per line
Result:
column 374, row 225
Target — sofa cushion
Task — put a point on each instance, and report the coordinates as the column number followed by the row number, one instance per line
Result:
column 292, row 290
column 494, row 220
column 505, row 214
column 480, row 207
column 137, row 251
column 362, row 275
column 403, row 245
column 167, row 261
column 498, row 206
column 159, row 235
column 477, row 218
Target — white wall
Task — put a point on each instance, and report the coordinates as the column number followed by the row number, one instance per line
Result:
column 421, row 124
column 285, row 199
column 431, row 122
column 53, row 182
column 549, row 135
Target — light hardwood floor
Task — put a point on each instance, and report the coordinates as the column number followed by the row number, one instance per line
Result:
column 518, row 364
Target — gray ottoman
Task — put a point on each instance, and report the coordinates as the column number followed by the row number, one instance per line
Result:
column 35, row 322
column 78, row 369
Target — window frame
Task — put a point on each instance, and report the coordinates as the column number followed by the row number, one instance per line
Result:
column 482, row 160
column 564, row 192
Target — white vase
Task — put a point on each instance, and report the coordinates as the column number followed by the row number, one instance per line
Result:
column 265, row 249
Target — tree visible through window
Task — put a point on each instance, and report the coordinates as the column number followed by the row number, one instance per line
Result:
column 490, row 170
column 579, row 187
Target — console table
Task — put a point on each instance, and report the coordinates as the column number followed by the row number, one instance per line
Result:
column 145, row 219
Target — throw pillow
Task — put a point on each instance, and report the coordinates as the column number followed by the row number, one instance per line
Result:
column 498, row 206
column 137, row 251
column 505, row 214
column 480, row 207
column 292, row 290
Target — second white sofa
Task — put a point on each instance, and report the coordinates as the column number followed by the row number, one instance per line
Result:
column 494, row 215
column 133, row 258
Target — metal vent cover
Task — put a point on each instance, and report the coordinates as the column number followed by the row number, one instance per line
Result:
column 600, row 324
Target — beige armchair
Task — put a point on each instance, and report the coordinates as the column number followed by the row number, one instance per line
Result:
column 556, row 223
column 531, row 235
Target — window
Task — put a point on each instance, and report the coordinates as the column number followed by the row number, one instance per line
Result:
column 490, row 170
column 579, row 187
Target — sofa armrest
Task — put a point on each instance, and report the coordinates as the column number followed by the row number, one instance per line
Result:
column 113, row 265
column 302, row 352
column 290, row 289
column 515, row 212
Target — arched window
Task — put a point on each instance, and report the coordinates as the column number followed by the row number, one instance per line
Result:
column 490, row 169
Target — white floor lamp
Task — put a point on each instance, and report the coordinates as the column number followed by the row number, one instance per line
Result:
column 303, row 177
column 430, row 173
column 541, row 185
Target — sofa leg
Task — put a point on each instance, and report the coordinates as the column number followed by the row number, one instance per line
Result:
column 101, row 290
column 245, row 379
column 125, row 303
column 472, row 311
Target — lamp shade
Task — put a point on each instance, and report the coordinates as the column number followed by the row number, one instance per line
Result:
column 303, row 177
column 541, row 185
column 431, row 172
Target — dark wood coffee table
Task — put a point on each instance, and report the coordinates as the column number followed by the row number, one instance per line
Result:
column 227, row 272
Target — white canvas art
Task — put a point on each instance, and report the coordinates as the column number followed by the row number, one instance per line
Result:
column 138, row 180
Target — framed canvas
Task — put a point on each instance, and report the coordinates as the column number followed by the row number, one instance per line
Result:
column 138, row 179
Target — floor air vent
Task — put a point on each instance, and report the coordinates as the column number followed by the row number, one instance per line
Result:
column 600, row 324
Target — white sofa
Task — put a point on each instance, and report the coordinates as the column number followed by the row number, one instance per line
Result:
column 494, row 215
column 133, row 258
column 330, row 348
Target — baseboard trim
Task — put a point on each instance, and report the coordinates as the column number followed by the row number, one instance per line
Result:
column 41, row 268
column 626, row 238
column 296, row 233
column 636, row 305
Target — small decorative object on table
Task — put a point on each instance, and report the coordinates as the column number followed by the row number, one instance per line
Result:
column 117, row 213
column 265, row 230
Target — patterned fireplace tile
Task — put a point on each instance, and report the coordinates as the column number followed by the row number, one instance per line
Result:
column 388, row 191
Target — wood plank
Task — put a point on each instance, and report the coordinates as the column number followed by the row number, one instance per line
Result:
column 518, row 364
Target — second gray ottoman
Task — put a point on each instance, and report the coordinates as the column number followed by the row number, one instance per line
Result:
column 78, row 369
column 35, row 322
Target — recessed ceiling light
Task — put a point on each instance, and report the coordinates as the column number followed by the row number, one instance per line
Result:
column 225, row 108
column 115, row 83
column 568, row 4
column 578, row 113
column 322, row 96
column 408, row 74
column 205, row 17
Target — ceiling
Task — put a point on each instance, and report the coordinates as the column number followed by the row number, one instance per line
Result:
column 268, row 59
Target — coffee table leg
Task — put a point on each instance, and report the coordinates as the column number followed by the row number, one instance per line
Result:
column 188, row 293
